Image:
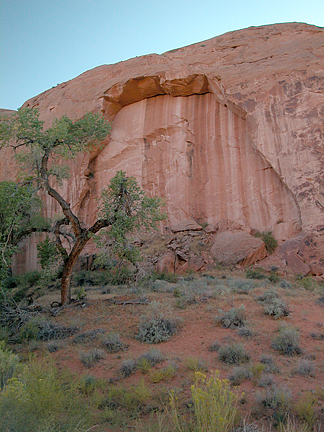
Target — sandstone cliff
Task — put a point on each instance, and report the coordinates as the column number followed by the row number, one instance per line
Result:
column 226, row 129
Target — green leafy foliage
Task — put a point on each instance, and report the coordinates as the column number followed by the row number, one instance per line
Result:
column 127, row 210
column 269, row 241
column 64, row 138
column 40, row 399
column 47, row 252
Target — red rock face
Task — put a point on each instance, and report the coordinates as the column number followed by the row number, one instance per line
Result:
column 229, row 128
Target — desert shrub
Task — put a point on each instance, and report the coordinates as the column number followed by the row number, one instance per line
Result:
column 240, row 374
column 9, row 362
column 194, row 364
column 234, row 353
column 53, row 346
column 255, row 273
column 273, row 277
column 249, row 427
column 276, row 308
column 89, row 336
column 245, row 332
column 287, row 341
column 120, row 403
column 41, row 329
column 257, row 369
column 267, row 296
column 113, row 343
column 306, row 368
column 82, row 278
column 241, row 286
column 266, row 380
column 270, row 365
column 292, row 425
column 158, row 326
column 278, row 399
column 87, row 385
column 127, row 367
column 48, row 401
column 269, row 241
column 165, row 374
column 318, row 336
column 153, row 356
column 143, row 365
column 305, row 408
column 235, row 317
column 163, row 276
column 28, row 331
column 91, row 357
column 80, row 293
column 214, row 346
column 285, row 284
column 308, row 283
column 215, row 405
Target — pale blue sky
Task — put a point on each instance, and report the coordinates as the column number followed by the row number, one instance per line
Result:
column 46, row 42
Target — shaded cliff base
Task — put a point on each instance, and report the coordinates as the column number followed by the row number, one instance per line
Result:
column 190, row 246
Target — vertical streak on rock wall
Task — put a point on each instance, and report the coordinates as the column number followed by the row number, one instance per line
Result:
column 197, row 154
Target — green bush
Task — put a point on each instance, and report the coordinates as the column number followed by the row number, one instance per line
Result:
column 42, row 400
column 287, row 341
column 269, row 241
column 252, row 273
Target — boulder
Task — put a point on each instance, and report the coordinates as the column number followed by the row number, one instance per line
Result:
column 296, row 265
column 166, row 263
column 186, row 225
column 312, row 251
column 237, row 247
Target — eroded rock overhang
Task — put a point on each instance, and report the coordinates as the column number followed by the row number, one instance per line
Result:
column 214, row 173
column 165, row 83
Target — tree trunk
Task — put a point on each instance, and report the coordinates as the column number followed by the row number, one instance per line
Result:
column 68, row 266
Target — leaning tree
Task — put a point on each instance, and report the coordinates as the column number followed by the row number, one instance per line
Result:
column 123, row 207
